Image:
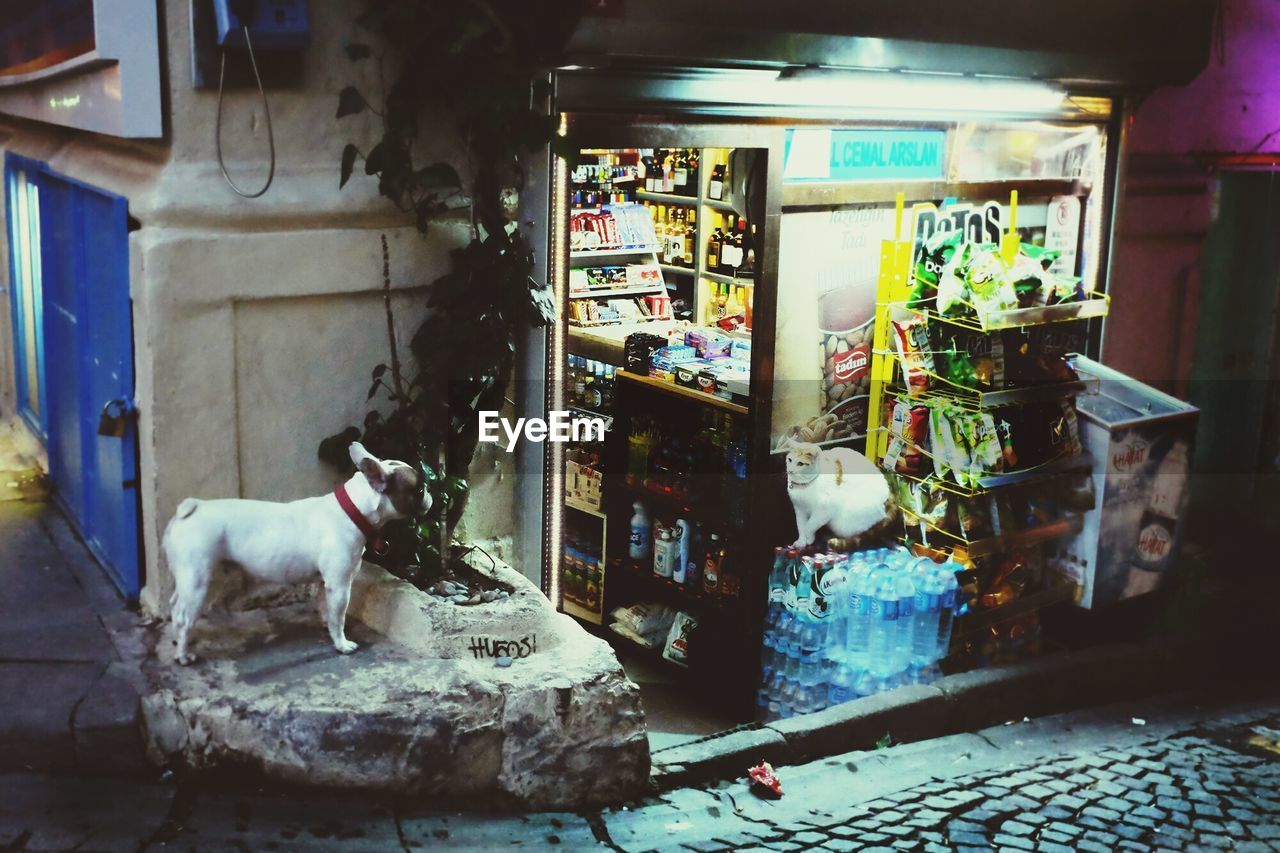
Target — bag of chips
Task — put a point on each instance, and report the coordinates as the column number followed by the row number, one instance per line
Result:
column 911, row 340
column 931, row 258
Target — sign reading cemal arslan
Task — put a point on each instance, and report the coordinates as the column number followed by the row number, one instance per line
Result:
column 856, row 154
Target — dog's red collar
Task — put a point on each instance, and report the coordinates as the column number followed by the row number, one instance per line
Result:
column 371, row 535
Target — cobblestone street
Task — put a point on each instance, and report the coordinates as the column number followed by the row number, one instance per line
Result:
column 1181, row 773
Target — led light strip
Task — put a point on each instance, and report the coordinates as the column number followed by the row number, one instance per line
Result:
column 556, row 353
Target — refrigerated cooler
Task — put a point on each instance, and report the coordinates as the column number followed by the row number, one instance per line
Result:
column 1141, row 441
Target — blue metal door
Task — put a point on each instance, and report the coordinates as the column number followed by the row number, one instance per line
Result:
column 88, row 339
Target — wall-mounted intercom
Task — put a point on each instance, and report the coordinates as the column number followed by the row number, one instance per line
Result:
column 272, row 24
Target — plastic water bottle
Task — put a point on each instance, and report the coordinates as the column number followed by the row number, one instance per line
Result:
column 882, row 634
column 810, row 670
column 777, row 587
column 947, row 603
column 803, row 574
column 777, row 686
column 830, row 587
column 905, row 589
column 840, row 688
column 927, row 614
column 858, row 592
column 762, row 698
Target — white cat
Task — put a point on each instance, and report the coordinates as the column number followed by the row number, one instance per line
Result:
column 837, row 488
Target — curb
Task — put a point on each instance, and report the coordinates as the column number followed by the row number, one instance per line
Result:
column 963, row 702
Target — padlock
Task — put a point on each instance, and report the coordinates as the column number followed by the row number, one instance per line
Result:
column 112, row 425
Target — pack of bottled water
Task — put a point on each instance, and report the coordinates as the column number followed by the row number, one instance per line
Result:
column 844, row 625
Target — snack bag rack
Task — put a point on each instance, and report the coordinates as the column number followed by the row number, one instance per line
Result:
column 966, row 514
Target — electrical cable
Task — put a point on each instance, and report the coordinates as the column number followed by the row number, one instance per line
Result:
column 266, row 107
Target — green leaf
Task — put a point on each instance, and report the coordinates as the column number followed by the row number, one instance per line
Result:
column 348, row 163
column 357, row 51
column 885, row 742
column 350, row 102
column 376, row 160
column 437, row 176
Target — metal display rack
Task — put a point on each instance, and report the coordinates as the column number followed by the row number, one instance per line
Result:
column 895, row 284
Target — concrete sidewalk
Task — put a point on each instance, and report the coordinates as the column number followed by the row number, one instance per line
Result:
column 64, row 705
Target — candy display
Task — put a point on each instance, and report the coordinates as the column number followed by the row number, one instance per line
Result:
column 618, row 226
column 700, row 358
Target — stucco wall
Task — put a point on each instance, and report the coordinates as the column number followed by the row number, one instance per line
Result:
column 1175, row 145
column 257, row 322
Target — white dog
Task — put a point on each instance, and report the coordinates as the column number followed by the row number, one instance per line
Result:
column 290, row 542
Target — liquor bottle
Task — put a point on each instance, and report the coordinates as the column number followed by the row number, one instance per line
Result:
column 711, row 566
column 722, row 303
column 580, row 383
column 749, row 263
column 690, row 239
column 739, row 242
column 675, row 239
column 750, row 296
column 680, row 173
column 668, row 171
column 661, row 231
column 713, row 250
column 694, row 176
column 713, row 246
column 715, row 187
column 730, row 257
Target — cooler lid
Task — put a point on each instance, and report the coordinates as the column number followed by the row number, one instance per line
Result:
column 1100, row 44
column 1124, row 401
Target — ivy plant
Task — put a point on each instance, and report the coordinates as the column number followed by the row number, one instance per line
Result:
column 480, row 65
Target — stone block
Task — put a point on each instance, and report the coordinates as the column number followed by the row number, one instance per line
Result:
column 410, row 712
column 912, row 713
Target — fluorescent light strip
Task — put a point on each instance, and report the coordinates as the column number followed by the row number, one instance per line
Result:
column 910, row 92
